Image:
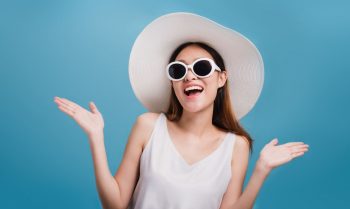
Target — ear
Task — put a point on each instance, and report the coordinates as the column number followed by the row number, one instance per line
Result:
column 222, row 78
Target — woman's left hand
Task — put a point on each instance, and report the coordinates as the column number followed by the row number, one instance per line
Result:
column 273, row 155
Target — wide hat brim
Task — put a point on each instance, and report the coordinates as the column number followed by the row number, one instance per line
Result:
column 155, row 44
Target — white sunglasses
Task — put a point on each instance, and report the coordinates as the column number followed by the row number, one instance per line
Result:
column 202, row 68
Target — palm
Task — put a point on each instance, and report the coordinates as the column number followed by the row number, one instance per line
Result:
column 91, row 122
column 273, row 155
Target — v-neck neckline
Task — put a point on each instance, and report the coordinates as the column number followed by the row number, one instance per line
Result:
column 207, row 157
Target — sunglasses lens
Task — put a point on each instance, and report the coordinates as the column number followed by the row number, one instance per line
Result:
column 176, row 71
column 202, row 67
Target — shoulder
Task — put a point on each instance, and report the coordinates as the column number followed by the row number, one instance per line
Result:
column 145, row 124
column 240, row 149
column 147, row 119
column 241, row 142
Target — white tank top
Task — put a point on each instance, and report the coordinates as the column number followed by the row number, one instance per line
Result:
column 167, row 181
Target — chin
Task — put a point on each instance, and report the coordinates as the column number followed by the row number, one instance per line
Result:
column 195, row 107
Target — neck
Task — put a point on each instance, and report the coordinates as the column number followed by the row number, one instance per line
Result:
column 197, row 124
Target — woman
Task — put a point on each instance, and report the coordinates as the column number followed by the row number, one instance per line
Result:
column 193, row 156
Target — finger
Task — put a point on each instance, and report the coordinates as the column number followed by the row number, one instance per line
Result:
column 60, row 101
column 65, row 105
column 301, row 146
column 290, row 144
column 300, row 150
column 68, row 102
column 297, row 149
column 273, row 141
column 297, row 154
column 66, row 110
column 93, row 108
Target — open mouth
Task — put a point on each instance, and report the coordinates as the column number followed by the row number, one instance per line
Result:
column 193, row 90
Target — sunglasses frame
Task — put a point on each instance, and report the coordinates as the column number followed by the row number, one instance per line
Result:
column 212, row 63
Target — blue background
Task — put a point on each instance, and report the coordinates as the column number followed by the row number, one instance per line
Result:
column 80, row 50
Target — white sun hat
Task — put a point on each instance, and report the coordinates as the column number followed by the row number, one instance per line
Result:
column 154, row 45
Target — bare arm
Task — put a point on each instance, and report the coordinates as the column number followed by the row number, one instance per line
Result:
column 115, row 192
column 92, row 123
column 271, row 156
column 107, row 187
column 248, row 197
column 129, row 170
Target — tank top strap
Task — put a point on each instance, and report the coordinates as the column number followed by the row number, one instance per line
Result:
column 156, row 132
column 228, row 147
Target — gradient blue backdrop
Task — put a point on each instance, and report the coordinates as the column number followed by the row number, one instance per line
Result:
column 80, row 50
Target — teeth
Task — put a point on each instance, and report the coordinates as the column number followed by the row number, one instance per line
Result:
column 193, row 87
column 188, row 89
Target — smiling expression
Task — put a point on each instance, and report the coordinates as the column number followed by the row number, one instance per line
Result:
column 200, row 100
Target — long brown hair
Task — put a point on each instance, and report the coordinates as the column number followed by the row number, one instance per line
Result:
column 223, row 115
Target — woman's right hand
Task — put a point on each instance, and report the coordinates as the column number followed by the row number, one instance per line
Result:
column 91, row 122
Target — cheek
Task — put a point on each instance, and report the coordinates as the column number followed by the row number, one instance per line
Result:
column 211, row 86
column 211, row 92
column 177, row 90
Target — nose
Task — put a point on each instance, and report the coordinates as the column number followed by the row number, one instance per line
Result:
column 190, row 75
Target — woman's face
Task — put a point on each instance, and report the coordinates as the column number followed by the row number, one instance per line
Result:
column 200, row 100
